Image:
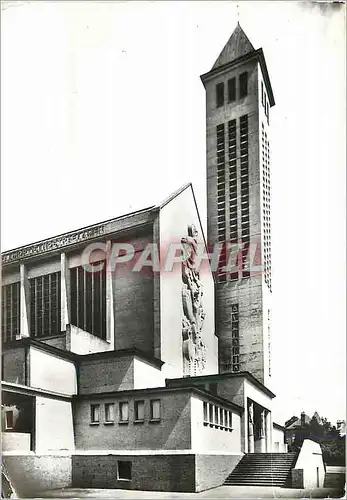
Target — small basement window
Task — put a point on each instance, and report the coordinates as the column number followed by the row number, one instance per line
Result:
column 124, row 470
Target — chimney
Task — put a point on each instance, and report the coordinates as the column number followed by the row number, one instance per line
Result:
column 302, row 419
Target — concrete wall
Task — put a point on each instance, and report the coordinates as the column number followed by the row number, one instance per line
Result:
column 149, row 472
column 172, row 432
column 174, row 220
column 104, row 375
column 13, row 365
column 309, row 469
column 54, row 425
column 82, row 342
column 52, row 373
column 31, row 474
column 147, row 375
column 133, row 300
column 212, row 439
column 15, row 441
column 212, row 470
column 59, row 342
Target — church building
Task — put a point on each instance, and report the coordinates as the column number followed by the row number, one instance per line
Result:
column 136, row 354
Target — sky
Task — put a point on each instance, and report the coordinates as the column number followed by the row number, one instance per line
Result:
column 103, row 113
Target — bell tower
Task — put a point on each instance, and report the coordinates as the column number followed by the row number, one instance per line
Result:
column 238, row 101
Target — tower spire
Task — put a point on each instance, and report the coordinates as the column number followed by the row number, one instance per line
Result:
column 238, row 45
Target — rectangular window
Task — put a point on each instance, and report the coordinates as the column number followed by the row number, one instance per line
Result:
column 124, row 411
column 211, row 414
column 225, row 419
column 124, row 470
column 9, row 419
column 243, row 84
column 139, row 411
column 216, row 415
column 219, row 94
column 155, row 409
column 109, row 412
column 221, row 417
column 95, row 414
column 45, row 309
column 205, row 413
column 88, row 298
column 232, row 89
column 262, row 93
column 10, row 311
column 230, row 420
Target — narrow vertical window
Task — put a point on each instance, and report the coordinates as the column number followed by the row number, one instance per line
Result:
column 219, row 94
column 45, row 309
column 262, row 93
column 243, row 84
column 232, row 89
column 216, row 415
column 124, row 411
column 221, row 201
column 155, row 409
column 210, row 411
column 10, row 311
column 109, row 412
column 88, row 298
column 205, row 413
column 9, row 420
column 245, row 223
column 139, row 407
column 95, row 414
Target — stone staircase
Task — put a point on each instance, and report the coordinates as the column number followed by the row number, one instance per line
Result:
column 263, row 469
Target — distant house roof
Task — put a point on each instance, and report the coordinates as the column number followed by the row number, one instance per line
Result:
column 294, row 424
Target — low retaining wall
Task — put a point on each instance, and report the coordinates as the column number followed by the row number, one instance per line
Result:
column 30, row 474
column 148, row 472
column 212, row 470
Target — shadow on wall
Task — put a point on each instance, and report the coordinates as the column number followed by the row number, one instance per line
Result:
column 309, row 471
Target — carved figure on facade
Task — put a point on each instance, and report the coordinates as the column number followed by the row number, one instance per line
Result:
column 194, row 349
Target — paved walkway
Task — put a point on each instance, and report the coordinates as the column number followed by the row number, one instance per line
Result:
column 221, row 492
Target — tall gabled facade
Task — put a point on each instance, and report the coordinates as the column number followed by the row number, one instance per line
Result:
column 238, row 101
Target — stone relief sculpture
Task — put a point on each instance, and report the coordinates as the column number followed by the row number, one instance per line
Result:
column 194, row 349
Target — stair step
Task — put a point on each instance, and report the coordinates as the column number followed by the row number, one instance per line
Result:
column 263, row 469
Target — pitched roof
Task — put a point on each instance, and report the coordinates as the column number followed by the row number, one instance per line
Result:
column 237, row 46
column 297, row 422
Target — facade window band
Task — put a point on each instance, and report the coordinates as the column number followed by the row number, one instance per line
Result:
column 244, row 173
column 221, row 215
column 266, row 209
column 45, row 308
column 10, row 311
column 233, row 198
column 88, row 299
column 216, row 417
